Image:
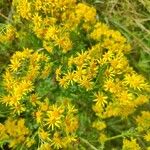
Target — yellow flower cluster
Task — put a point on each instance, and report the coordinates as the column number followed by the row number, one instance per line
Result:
column 143, row 121
column 130, row 145
column 7, row 33
column 14, row 131
column 78, row 57
column 20, row 76
column 57, row 124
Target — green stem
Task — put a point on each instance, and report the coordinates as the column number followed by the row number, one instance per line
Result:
column 87, row 143
column 115, row 137
column 124, row 134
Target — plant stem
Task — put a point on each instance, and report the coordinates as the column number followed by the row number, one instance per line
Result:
column 87, row 143
column 4, row 16
column 114, row 137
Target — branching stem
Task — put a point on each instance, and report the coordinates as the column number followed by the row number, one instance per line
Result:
column 88, row 144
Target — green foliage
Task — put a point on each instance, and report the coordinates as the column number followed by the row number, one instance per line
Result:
column 68, row 81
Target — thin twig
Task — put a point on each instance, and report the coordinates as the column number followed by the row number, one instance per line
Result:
column 88, row 144
column 4, row 16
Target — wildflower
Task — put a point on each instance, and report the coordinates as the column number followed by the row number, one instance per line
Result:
column 71, row 124
column 38, row 4
column 125, row 97
column 80, row 59
column 143, row 121
column 58, row 73
column 63, row 82
column 109, row 73
column 79, row 74
column 100, row 29
column 64, row 43
column 135, row 81
column 9, row 80
column 100, row 99
column 109, row 85
column 38, row 116
column 70, row 77
column 48, row 46
column 130, row 145
column 18, row 108
column 102, row 138
column 30, row 142
column 99, row 125
column 34, row 98
column 46, row 71
column 86, row 12
column 52, row 33
column 15, row 64
column 37, row 20
column 57, row 142
column 86, row 83
column 44, row 135
column 54, row 117
column 3, row 134
column 147, row 137
column 16, row 136
column 141, row 99
column 45, row 146
column 69, row 140
column 24, row 9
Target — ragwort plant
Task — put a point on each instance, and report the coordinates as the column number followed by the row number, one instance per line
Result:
column 70, row 80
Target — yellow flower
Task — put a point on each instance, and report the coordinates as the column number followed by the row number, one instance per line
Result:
column 38, row 4
column 99, row 125
column 54, row 117
column 48, row 46
column 109, row 73
column 143, row 121
column 52, row 33
column 99, row 30
column 23, row 88
column 63, row 82
column 79, row 74
column 3, row 134
column 64, row 43
column 38, row 116
column 70, row 77
column 58, row 73
column 44, row 135
column 18, row 108
column 102, row 138
column 30, row 142
column 125, row 97
column 46, row 71
column 16, row 136
column 81, row 58
column 147, row 137
column 37, row 20
column 135, row 81
column 86, row 83
column 85, row 12
column 68, row 140
column 45, row 146
column 9, row 81
column 100, row 98
column 57, row 142
column 130, row 145
column 71, row 123
column 15, row 64
column 141, row 99
column 34, row 98
column 24, row 9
